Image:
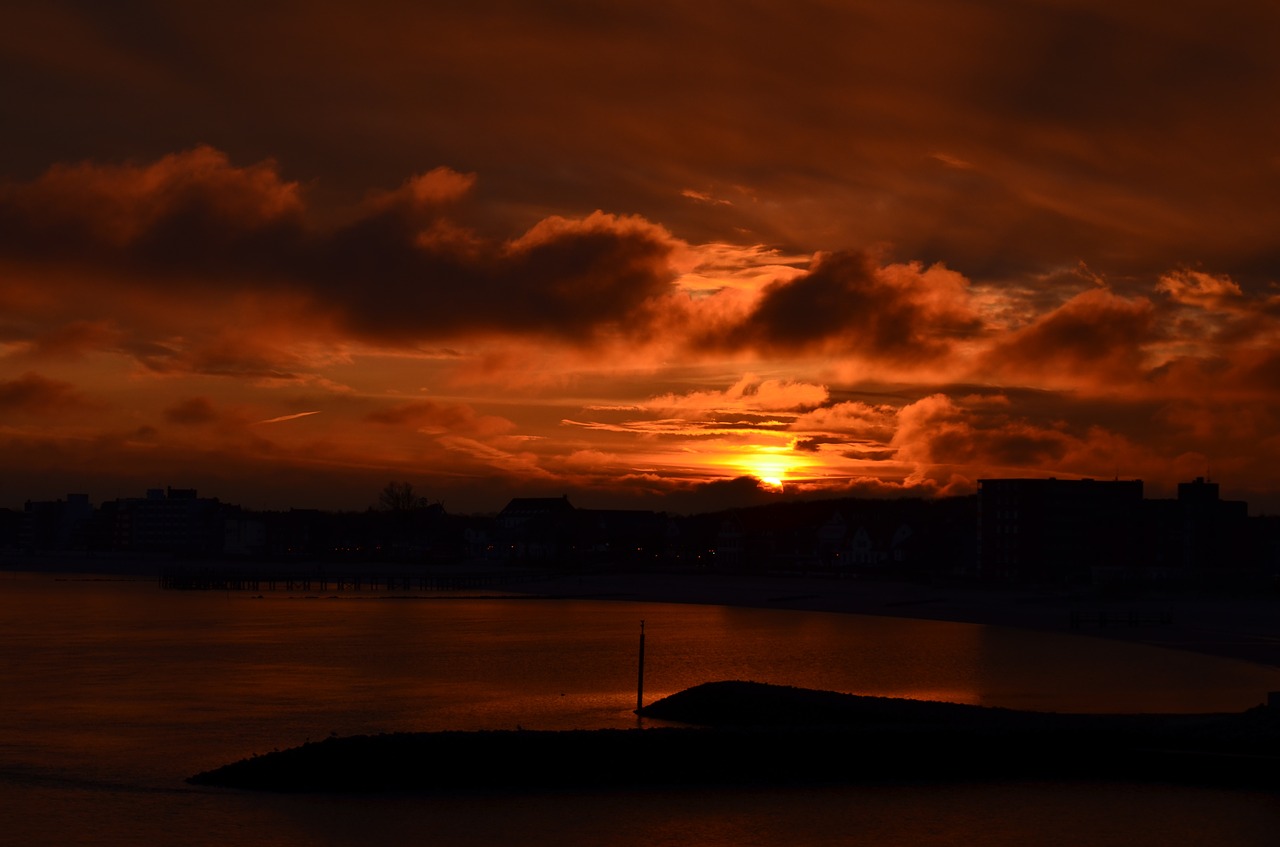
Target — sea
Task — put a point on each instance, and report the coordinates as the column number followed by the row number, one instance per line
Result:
column 113, row 692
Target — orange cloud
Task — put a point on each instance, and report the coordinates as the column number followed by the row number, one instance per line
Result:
column 937, row 431
column 708, row 268
column 749, row 394
column 849, row 420
column 428, row 191
column 1198, row 288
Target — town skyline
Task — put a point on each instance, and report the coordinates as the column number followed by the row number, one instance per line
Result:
column 1047, row 531
column 637, row 253
column 740, row 492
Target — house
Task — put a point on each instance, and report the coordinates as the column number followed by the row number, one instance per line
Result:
column 536, row 529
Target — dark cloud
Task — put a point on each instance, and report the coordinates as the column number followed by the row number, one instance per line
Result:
column 215, row 357
column 192, row 212
column 400, row 271
column 939, row 431
column 32, row 393
column 192, row 411
column 1096, row 335
column 847, row 303
column 734, row 493
column 568, row 279
column 861, row 451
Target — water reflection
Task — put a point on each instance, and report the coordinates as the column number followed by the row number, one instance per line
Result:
column 123, row 690
column 1026, row 670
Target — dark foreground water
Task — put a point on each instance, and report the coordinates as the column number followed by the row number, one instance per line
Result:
column 113, row 692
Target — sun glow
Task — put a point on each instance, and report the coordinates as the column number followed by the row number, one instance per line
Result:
column 772, row 467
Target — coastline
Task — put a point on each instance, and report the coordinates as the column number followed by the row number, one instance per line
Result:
column 1246, row 628
column 1226, row 625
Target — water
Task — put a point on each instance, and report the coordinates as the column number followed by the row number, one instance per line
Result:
column 114, row 692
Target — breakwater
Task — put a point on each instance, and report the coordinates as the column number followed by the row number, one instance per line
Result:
column 750, row 733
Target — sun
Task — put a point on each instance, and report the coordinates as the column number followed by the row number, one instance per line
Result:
column 774, row 467
column 771, row 470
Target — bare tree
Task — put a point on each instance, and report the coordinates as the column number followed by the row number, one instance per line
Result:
column 399, row 497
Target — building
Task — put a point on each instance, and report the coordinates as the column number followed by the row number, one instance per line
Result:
column 1214, row 532
column 1056, row 530
column 56, row 524
column 536, row 529
column 168, row 520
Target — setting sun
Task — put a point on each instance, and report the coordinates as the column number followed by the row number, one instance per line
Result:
column 772, row 466
column 770, row 473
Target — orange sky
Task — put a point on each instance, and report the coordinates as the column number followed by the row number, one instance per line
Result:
column 635, row 251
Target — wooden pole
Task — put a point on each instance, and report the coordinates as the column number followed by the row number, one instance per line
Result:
column 640, row 678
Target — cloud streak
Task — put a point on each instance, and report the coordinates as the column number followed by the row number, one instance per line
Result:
column 284, row 418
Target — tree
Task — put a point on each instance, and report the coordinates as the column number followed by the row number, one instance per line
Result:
column 399, row 497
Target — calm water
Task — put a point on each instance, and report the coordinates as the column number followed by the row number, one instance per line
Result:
column 114, row 692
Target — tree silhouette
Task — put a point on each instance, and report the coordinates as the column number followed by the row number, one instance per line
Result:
column 399, row 497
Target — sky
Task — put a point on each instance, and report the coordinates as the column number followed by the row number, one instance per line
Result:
column 647, row 254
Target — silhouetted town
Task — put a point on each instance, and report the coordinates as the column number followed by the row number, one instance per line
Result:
column 1047, row 531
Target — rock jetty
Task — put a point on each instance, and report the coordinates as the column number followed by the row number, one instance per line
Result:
column 752, row 733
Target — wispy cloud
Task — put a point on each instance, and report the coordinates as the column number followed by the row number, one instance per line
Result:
column 282, row 418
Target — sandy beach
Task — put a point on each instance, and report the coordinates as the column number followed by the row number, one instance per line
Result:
column 1238, row 627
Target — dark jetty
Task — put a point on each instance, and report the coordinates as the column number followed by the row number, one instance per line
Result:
column 752, row 733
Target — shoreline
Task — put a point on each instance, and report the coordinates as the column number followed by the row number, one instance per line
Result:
column 1230, row 627
column 1245, row 628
